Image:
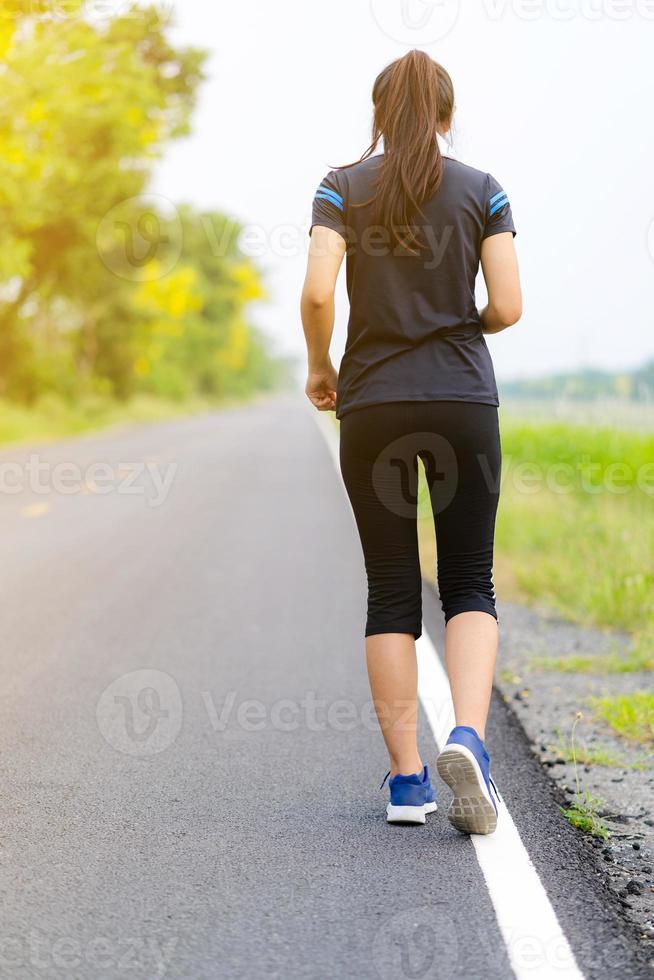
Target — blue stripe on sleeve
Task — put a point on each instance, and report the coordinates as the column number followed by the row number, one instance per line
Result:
column 330, row 195
column 332, row 200
column 328, row 190
column 496, row 198
column 498, row 207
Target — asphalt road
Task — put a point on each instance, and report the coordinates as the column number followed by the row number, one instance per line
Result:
column 190, row 770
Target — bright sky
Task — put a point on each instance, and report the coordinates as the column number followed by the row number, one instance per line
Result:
column 554, row 98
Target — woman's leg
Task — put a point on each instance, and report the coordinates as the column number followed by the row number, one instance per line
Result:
column 470, row 655
column 465, row 530
column 393, row 675
column 382, row 494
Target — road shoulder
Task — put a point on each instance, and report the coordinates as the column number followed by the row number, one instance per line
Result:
column 546, row 704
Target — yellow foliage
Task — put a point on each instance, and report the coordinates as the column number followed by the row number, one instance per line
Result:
column 167, row 328
column 246, row 277
column 151, row 273
column 149, row 134
column 134, row 115
column 172, row 295
column 11, row 149
column 7, row 28
column 233, row 356
column 141, row 366
column 37, row 112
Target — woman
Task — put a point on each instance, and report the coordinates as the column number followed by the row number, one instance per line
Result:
column 417, row 380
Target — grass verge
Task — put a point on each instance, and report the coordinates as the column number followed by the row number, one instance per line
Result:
column 630, row 715
column 610, row 663
column 575, row 531
column 576, row 522
column 52, row 418
column 584, row 814
column 584, row 810
column 597, row 756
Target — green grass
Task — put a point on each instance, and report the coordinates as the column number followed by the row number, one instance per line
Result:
column 583, row 813
column 609, row 663
column 588, row 552
column 589, row 559
column 596, row 458
column 590, row 757
column 630, row 715
column 52, row 418
column 587, row 756
column 584, row 810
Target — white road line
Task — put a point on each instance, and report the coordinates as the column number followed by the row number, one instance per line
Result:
column 536, row 944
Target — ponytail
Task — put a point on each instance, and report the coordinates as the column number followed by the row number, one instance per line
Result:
column 413, row 98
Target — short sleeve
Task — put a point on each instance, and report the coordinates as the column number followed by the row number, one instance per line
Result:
column 329, row 204
column 498, row 216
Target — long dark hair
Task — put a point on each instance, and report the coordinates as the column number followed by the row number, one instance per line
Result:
column 413, row 98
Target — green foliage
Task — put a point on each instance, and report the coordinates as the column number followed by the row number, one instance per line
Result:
column 102, row 290
column 52, row 417
column 630, row 715
column 584, row 814
column 193, row 333
column 589, row 384
column 584, row 810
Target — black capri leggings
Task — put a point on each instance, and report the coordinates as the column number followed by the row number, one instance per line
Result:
column 459, row 444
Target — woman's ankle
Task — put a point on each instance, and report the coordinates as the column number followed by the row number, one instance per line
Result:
column 406, row 766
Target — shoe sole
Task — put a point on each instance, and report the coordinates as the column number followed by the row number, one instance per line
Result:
column 471, row 810
column 409, row 814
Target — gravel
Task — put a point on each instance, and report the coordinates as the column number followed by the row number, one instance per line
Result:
column 547, row 703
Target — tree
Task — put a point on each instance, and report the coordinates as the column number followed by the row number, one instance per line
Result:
column 85, row 109
column 104, row 288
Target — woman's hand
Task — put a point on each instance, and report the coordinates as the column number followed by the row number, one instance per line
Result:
column 321, row 388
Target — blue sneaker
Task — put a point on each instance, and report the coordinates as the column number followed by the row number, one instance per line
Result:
column 464, row 765
column 412, row 797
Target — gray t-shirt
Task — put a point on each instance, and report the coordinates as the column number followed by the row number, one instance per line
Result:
column 414, row 332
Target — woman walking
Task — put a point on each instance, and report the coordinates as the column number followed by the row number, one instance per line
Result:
column 417, row 381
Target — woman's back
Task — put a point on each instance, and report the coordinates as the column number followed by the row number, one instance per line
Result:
column 414, row 330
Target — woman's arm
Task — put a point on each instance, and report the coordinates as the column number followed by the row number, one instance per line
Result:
column 499, row 264
column 326, row 252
